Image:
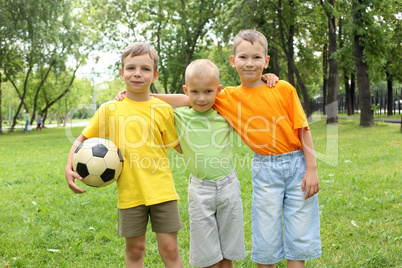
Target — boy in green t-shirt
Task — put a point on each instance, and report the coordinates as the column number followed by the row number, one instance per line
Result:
column 143, row 128
column 214, row 196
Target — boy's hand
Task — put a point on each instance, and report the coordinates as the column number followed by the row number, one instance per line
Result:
column 120, row 96
column 310, row 183
column 71, row 175
column 271, row 79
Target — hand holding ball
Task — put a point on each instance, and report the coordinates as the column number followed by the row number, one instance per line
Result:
column 98, row 161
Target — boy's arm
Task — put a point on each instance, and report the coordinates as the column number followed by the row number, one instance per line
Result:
column 70, row 174
column 270, row 79
column 175, row 100
column 182, row 100
column 178, row 149
column 310, row 181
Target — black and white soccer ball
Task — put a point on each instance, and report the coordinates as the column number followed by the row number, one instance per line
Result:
column 98, row 161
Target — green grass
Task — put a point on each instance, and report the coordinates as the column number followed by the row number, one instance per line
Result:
column 44, row 224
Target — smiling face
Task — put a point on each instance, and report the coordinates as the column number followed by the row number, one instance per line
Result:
column 202, row 91
column 138, row 73
column 250, row 60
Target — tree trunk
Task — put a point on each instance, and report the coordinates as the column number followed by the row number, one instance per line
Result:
column 275, row 51
column 353, row 92
column 390, row 103
column 291, row 75
column 22, row 98
column 363, row 82
column 324, row 78
column 363, row 85
column 348, row 95
column 37, row 94
column 1, row 117
column 332, row 107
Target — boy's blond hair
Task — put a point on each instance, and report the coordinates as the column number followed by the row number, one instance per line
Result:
column 140, row 48
column 250, row 36
column 202, row 68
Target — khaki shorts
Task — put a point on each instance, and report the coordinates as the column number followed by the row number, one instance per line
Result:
column 216, row 220
column 165, row 218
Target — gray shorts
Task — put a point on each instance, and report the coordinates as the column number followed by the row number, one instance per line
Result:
column 165, row 218
column 216, row 220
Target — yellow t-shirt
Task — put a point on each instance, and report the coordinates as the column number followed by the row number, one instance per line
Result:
column 142, row 131
column 267, row 119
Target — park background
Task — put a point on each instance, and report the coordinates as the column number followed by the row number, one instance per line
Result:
column 61, row 59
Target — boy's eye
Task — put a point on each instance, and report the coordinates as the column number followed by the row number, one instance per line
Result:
column 193, row 91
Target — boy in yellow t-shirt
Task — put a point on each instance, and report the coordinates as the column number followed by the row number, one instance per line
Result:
column 143, row 128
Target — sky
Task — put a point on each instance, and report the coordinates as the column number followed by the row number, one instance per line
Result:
column 99, row 70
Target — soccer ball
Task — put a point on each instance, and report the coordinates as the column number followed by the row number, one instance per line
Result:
column 98, row 161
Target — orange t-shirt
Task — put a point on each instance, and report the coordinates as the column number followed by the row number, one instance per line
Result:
column 267, row 119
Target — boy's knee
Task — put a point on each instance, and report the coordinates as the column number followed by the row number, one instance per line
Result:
column 136, row 252
column 170, row 249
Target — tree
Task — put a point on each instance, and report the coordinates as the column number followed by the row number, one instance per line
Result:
column 363, row 83
column 289, row 53
column 46, row 37
column 332, row 109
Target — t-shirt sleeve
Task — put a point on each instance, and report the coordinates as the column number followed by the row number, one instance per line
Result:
column 168, row 131
column 295, row 109
column 97, row 126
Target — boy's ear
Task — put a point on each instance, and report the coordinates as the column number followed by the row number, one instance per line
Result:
column 121, row 72
column 155, row 76
column 266, row 62
column 185, row 90
column 232, row 61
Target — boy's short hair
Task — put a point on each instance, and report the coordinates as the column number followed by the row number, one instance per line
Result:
column 250, row 36
column 200, row 68
column 140, row 48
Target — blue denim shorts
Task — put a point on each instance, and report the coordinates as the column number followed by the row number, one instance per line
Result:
column 284, row 225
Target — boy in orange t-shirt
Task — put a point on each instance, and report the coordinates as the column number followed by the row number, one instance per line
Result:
column 285, row 182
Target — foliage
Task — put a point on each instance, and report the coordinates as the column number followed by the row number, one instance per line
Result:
column 43, row 42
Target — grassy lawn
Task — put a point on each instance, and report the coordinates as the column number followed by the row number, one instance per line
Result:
column 44, row 224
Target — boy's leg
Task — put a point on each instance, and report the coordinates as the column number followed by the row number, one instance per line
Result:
column 165, row 221
column 301, row 223
column 132, row 224
column 169, row 250
column 266, row 210
column 295, row 264
column 135, row 251
column 266, row 265
column 229, row 217
column 205, row 247
column 225, row 263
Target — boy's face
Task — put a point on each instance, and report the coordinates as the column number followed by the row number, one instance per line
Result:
column 201, row 92
column 250, row 60
column 138, row 74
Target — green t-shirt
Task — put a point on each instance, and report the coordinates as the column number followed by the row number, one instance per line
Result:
column 205, row 141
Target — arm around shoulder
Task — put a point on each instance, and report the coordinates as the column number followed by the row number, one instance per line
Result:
column 175, row 100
